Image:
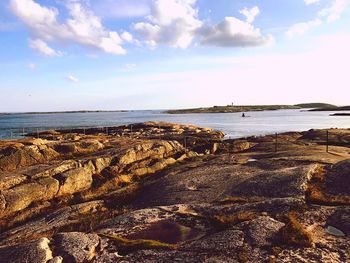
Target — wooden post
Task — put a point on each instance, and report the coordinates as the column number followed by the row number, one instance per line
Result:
column 37, row 133
column 327, row 143
column 276, row 141
column 131, row 131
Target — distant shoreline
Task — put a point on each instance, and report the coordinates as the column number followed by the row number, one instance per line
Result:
column 340, row 114
column 248, row 108
column 62, row 112
column 232, row 109
column 344, row 108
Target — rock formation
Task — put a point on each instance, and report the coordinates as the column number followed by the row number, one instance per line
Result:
column 162, row 192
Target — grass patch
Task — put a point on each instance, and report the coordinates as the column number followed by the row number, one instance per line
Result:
column 225, row 221
column 294, row 234
column 238, row 200
column 317, row 194
column 127, row 246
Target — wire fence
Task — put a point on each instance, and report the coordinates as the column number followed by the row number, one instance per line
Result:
column 18, row 133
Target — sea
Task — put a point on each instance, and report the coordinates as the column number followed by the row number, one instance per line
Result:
column 254, row 124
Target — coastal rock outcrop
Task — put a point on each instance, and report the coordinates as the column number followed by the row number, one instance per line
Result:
column 161, row 192
column 338, row 178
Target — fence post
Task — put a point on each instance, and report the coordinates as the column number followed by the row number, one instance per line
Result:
column 130, row 130
column 327, row 144
column 276, row 141
column 37, row 133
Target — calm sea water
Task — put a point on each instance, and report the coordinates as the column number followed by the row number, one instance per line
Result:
column 259, row 123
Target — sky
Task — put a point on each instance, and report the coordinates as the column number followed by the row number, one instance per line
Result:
column 58, row 55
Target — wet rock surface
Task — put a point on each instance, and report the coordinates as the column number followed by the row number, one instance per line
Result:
column 162, row 192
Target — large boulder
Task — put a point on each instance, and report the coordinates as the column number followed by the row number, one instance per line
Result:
column 262, row 231
column 291, row 182
column 76, row 180
column 341, row 220
column 76, row 246
column 338, row 178
column 79, row 147
column 20, row 197
column 12, row 158
column 37, row 251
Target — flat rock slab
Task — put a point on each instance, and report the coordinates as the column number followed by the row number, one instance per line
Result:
column 34, row 252
column 219, row 178
column 338, row 178
column 76, row 246
column 261, row 231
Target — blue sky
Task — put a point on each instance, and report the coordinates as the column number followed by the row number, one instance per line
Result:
column 157, row 54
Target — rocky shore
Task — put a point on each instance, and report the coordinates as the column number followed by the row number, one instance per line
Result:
column 162, row 192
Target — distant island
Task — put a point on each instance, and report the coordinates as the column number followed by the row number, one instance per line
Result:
column 316, row 105
column 243, row 108
column 232, row 109
column 340, row 114
column 335, row 108
column 58, row 112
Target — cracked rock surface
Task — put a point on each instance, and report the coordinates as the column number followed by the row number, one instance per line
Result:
column 163, row 192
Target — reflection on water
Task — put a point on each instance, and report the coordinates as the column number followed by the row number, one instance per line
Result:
column 167, row 232
column 259, row 123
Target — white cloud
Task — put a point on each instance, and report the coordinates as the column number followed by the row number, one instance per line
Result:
column 31, row 66
column 331, row 13
column 172, row 22
column 233, row 32
column 309, row 2
column 176, row 23
column 81, row 27
column 73, row 79
column 127, row 37
column 334, row 11
column 302, row 28
column 250, row 14
column 130, row 66
column 41, row 47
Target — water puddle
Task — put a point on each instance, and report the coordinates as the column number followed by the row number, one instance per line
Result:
column 334, row 231
column 167, row 232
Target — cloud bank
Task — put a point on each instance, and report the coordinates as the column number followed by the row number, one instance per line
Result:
column 73, row 79
column 330, row 13
column 181, row 26
column 174, row 23
column 81, row 27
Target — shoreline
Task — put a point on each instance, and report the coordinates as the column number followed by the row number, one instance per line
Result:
column 61, row 112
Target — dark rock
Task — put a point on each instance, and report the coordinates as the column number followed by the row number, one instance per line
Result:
column 75, row 246
column 261, row 231
column 341, row 220
column 338, row 178
column 37, row 251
